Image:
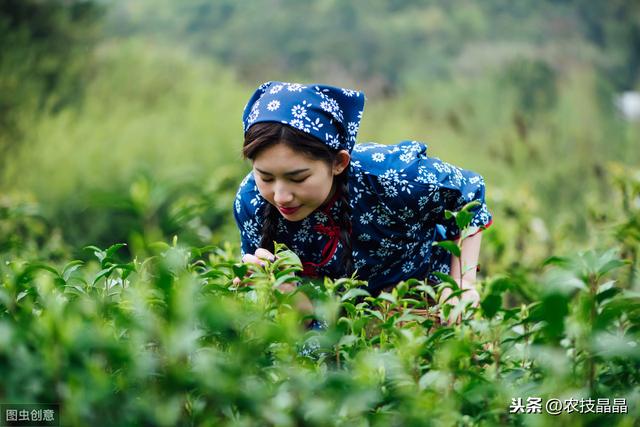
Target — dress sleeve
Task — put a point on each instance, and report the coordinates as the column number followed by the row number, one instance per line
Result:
column 245, row 212
column 453, row 188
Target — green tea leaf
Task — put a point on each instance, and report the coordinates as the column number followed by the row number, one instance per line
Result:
column 463, row 219
column 102, row 273
column 113, row 249
column 99, row 253
column 70, row 267
column 449, row 246
column 491, row 304
column 39, row 266
column 447, row 279
column 287, row 278
column 387, row 297
column 376, row 313
column 354, row 293
column 240, row 270
column 287, row 271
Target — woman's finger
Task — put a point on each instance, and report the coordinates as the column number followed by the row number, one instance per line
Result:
column 252, row 259
column 264, row 254
column 286, row 288
column 239, row 282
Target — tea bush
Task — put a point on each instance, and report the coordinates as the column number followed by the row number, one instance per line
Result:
column 168, row 339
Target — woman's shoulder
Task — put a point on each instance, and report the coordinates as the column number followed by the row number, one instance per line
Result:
column 385, row 177
column 404, row 162
column 388, row 165
column 403, row 175
column 380, row 156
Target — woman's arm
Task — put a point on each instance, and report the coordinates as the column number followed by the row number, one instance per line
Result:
column 463, row 270
column 470, row 251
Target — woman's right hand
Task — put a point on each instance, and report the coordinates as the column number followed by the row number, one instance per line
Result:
column 260, row 255
column 257, row 258
column 302, row 302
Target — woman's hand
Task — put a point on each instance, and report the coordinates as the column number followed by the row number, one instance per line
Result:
column 260, row 255
column 470, row 297
column 258, row 258
column 302, row 302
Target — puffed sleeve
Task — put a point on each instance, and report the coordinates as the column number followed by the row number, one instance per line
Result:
column 452, row 188
column 246, row 205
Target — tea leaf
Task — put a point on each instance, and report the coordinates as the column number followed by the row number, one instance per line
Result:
column 354, row 293
column 449, row 246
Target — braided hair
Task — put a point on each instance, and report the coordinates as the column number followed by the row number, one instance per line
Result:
column 265, row 134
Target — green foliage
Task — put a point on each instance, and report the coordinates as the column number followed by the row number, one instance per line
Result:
column 171, row 340
column 168, row 337
column 151, row 333
column 534, row 83
column 385, row 45
column 140, row 123
column 44, row 63
column 146, row 155
column 26, row 232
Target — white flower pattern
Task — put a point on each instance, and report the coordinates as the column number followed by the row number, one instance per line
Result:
column 366, row 218
column 377, row 157
column 273, row 105
column 295, row 87
column 299, row 112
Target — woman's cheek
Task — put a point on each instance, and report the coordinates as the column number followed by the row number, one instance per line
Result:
column 321, row 192
column 264, row 191
column 313, row 190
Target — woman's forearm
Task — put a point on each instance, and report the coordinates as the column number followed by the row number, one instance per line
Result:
column 463, row 269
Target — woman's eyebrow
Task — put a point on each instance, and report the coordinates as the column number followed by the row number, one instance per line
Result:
column 295, row 172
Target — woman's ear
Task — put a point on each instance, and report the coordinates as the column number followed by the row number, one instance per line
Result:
column 341, row 162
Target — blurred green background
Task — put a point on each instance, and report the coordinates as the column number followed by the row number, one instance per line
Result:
column 121, row 121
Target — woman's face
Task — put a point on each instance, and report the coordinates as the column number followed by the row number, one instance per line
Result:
column 294, row 183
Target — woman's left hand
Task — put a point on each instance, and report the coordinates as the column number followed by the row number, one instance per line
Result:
column 470, row 297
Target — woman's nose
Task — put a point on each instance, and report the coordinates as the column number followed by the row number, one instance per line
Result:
column 282, row 196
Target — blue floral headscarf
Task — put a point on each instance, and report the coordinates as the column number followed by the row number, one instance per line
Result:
column 331, row 114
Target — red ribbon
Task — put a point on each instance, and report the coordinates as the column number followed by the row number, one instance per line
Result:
column 329, row 250
column 333, row 231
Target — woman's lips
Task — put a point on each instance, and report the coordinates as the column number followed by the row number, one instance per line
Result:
column 288, row 211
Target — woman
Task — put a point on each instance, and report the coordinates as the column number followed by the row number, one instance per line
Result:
column 368, row 208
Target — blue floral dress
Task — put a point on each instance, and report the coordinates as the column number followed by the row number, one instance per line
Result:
column 398, row 196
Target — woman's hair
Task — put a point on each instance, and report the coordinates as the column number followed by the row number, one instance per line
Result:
column 265, row 134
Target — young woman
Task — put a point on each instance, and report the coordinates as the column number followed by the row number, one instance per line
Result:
column 343, row 208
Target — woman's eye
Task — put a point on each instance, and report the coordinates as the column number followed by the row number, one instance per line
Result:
column 292, row 180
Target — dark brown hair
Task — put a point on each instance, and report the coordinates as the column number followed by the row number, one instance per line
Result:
column 265, row 134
